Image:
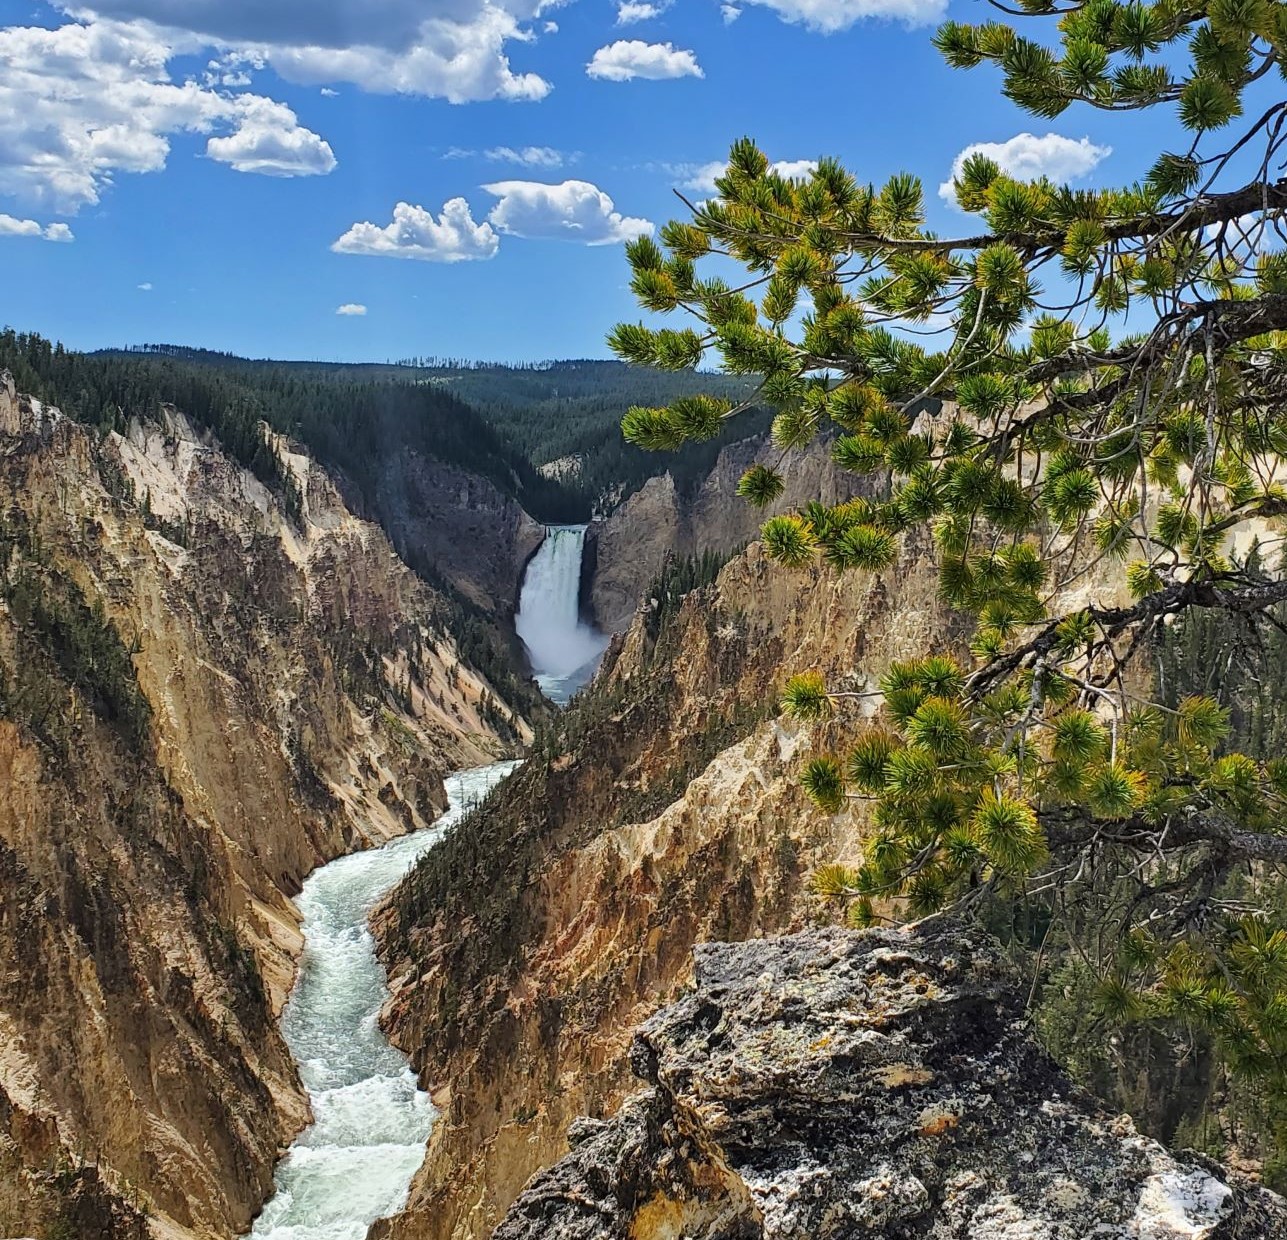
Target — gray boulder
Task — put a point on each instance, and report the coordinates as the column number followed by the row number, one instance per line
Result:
column 871, row 1085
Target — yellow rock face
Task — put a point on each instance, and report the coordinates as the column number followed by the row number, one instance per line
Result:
column 302, row 704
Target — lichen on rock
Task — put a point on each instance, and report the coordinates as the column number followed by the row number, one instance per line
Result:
column 877, row 1084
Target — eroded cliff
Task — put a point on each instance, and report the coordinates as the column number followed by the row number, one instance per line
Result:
column 201, row 698
column 625, row 551
column 879, row 1085
column 457, row 526
column 666, row 811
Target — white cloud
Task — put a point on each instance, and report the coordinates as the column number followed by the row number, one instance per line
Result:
column 351, row 309
column 528, row 156
column 794, row 169
column 146, row 287
column 453, row 237
column 328, row 93
column 452, row 49
column 84, row 102
column 13, row 227
column 632, row 58
column 551, row 27
column 1027, row 157
column 571, row 211
column 730, row 13
column 701, row 177
column 268, row 142
column 629, row 11
column 832, row 16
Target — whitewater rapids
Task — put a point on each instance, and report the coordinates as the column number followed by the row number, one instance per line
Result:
column 354, row 1164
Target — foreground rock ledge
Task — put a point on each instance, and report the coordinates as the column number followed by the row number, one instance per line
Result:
column 877, row 1084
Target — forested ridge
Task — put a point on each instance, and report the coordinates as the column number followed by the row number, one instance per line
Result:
column 349, row 420
column 539, row 413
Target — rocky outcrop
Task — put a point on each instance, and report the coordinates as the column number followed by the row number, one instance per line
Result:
column 458, row 527
column 202, row 697
column 625, row 551
column 878, row 1085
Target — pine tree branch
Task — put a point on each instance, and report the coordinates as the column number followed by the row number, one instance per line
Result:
column 1202, row 212
column 1194, row 825
column 1211, row 826
column 1169, row 601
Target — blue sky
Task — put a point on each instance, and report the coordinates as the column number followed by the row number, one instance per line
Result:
column 229, row 170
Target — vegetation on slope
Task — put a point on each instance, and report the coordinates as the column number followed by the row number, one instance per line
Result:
column 70, row 655
column 565, row 411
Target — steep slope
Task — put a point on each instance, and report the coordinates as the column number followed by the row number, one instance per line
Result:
column 665, row 811
column 883, row 1084
column 666, row 517
column 456, row 526
column 201, row 698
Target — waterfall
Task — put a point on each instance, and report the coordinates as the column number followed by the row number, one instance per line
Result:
column 354, row 1164
column 563, row 650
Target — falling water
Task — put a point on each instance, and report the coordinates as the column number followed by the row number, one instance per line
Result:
column 371, row 1121
column 563, row 650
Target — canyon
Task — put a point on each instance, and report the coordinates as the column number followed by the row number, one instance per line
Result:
column 209, row 697
column 204, row 698
column 665, row 811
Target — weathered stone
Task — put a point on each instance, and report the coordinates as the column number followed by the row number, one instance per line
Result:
column 880, row 1085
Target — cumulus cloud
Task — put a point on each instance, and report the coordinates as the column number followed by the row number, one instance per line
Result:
column 10, row 226
column 84, row 102
column 832, row 16
column 146, row 287
column 453, row 237
column 351, row 309
column 453, row 50
column 701, row 177
column 570, row 211
column 633, row 58
column 1027, row 157
column 730, row 13
column 265, row 144
column 629, row 11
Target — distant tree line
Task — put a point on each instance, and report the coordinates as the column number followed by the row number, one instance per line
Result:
column 540, row 412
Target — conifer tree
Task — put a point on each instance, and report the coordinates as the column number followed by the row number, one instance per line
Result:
column 1084, row 380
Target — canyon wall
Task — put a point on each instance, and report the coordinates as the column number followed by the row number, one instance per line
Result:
column 458, row 527
column 626, row 550
column 664, row 812
column 202, row 697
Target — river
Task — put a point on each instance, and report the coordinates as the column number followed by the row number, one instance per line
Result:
column 354, row 1164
